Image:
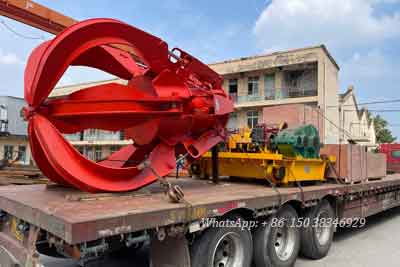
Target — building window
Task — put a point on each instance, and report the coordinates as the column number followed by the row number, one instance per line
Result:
column 122, row 135
column 232, row 122
column 3, row 113
column 233, row 86
column 73, row 137
column 22, row 153
column 3, row 119
column 3, row 126
column 90, row 135
column 8, row 152
column 252, row 86
column 98, row 153
column 81, row 150
column 88, row 152
column 300, row 83
column 269, row 87
column 113, row 149
column 116, row 135
column 396, row 154
column 252, row 119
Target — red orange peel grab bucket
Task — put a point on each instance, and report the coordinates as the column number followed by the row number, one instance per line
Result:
column 171, row 104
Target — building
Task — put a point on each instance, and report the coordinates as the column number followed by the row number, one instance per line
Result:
column 13, row 131
column 307, row 76
column 297, row 86
column 356, row 122
column 95, row 144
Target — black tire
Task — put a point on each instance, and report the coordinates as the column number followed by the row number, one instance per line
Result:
column 51, row 251
column 213, row 239
column 267, row 235
column 315, row 243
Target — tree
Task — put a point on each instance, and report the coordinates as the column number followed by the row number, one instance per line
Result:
column 383, row 134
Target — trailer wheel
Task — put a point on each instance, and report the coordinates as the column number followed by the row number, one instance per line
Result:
column 277, row 240
column 316, row 237
column 222, row 247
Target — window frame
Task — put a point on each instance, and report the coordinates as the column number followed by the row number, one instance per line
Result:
column 272, row 91
column 233, row 82
column 8, row 152
column 3, row 118
column 3, row 112
column 20, row 149
column 252, row 118
column 253, row 86
column 114, row 148
column 98, row 153
column 232, row 117
column 395, row 154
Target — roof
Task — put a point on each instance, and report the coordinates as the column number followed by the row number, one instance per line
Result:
column 322, row 46
column 13, row 97
column 68, row 89
column 360, row 112
column 85, row 83
column 349, row 92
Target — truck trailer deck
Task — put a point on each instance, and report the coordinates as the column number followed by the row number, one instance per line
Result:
column 73, row 222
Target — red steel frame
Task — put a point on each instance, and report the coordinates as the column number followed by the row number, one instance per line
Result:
column 172, row 104
column 393, row 164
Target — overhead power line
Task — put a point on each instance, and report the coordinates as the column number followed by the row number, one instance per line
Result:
column 377, row 110
column 9, row 28
column 379, row 102
column 340, row 129
column 369, row 103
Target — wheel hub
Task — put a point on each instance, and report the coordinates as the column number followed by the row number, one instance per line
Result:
column 284, row 241
column 229, row 251
column 323, row 231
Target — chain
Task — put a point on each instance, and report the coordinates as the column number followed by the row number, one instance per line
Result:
column 174, row 192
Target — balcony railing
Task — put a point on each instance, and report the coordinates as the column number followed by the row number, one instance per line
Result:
column 290, row 92
column 234, row 97
column 277, row 94
column 249, row 98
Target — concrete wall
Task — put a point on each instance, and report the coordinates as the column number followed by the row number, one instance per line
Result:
column 278, row 59
column 17, row 128
column 277, row 64
column 295, row 115
column 328, row 100
column 13, row 105
column 326, row 83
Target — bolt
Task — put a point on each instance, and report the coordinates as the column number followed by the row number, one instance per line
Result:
column 161, row 234
column 23, row 227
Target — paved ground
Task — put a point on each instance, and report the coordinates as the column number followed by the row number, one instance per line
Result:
column 377, row 244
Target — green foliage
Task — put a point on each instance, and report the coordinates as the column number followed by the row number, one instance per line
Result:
column 383, row 134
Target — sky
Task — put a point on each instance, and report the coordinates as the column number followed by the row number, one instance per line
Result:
column 362, row 35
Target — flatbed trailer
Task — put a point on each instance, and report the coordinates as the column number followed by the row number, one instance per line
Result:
column 54, row 220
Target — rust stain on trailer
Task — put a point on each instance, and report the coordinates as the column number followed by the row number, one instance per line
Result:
column 82, row 221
